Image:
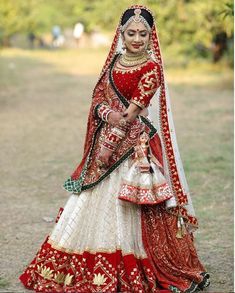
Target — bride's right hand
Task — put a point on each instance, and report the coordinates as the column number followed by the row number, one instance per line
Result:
column 115, row 117
column 144, row 112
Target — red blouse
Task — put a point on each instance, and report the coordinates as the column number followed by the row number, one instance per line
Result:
column 138, row 85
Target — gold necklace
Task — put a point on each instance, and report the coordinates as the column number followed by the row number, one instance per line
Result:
column 133, row 60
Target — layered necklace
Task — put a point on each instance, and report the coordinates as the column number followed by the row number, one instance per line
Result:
column 129, row 60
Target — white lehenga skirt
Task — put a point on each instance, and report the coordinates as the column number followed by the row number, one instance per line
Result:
column 100, row 242
column 96, row 245
column 96, row 220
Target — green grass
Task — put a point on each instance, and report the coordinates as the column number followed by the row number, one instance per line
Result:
column 3, row 283
column 44, row 99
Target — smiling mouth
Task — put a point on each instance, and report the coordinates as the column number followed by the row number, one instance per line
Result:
column 136, row 45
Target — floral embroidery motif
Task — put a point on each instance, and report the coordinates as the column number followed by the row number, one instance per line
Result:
column 53, row 270
column 45, row 272
column 68, row 279
column 99, row 279
column 59, row 277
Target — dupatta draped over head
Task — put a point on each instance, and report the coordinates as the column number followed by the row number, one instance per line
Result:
column 161, row 118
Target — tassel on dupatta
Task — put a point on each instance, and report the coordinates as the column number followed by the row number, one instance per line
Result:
column 181, row 232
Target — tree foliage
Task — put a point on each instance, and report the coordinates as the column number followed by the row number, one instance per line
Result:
column 184, row 23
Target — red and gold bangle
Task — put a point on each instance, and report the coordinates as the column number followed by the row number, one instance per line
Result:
column 119, row 132
column 109, row 146
column 106, row 114
column 103, row 111
column 114, row 138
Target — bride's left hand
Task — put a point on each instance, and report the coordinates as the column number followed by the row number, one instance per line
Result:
column 104, row 156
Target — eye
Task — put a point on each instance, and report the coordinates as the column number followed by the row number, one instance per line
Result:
column 130, row 34
column 143, row 34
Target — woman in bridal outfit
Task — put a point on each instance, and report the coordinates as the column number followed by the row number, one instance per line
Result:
column 129, row 221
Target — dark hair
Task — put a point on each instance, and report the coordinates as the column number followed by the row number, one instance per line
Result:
column 130, row 12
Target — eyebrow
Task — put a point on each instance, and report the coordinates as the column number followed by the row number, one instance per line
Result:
column 131, row 30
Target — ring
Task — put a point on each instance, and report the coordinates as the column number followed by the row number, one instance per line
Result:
column 122, row 122
column 100, row 163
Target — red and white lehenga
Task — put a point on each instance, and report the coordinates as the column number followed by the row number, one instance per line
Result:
column 123, row 230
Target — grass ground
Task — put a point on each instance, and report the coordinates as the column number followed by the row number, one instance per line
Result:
column 44, row 99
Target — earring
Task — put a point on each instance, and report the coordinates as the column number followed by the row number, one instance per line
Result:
column 147, row 46
column 124, row 46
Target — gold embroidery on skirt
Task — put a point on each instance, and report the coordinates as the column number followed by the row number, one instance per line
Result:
column 91, row 251
column 99, row 279
column 60, row 278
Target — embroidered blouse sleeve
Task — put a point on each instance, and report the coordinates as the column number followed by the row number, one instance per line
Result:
column 147, row 86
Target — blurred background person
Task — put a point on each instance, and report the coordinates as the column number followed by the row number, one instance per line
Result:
column 219, row 46
column 31, row 38
column 78, row 32
column 57, row 37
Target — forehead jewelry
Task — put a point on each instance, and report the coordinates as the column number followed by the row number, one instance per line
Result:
column 136, row 18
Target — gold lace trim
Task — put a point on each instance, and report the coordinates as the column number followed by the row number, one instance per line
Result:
column 147, row 186
column 91, row 251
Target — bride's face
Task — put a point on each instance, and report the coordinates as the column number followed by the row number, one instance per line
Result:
column 136, row 37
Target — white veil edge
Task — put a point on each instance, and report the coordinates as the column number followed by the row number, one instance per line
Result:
column 154, row 112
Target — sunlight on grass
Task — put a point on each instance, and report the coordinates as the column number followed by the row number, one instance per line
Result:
column 83, row 61
column 90, row 61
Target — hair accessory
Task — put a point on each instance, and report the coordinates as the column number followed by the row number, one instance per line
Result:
column 137, row 12
column 139, row 18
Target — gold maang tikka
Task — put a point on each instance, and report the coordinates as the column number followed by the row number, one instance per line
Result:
column 137, row 13
column 137, row 17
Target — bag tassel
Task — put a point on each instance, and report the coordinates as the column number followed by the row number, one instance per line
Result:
column 181, row 231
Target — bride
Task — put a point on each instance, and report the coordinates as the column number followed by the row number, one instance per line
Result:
column 129, row 221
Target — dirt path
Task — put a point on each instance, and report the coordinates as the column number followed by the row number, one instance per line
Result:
column 44, row 99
